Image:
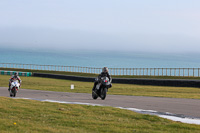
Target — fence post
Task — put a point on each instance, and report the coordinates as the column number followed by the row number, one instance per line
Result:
column 188, row 72
column 147, row 72
column 136, row 71
column 139, row 71
column 170, row 71
column 150, row 71
column 193, row 72
column 118, row 71
column 174, row 71
column 143, row 71
column 198, row 72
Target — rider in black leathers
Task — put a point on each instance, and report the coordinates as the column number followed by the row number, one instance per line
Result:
column 104, row 73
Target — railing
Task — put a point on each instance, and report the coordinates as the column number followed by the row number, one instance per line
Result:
column 189, row 72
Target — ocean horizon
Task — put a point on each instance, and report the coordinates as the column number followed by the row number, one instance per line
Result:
column 98, row 59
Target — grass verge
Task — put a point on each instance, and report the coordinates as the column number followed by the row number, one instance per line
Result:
column 17, row 115
column 117, row 89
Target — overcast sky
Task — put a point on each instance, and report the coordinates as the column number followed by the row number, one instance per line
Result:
column 132, row 25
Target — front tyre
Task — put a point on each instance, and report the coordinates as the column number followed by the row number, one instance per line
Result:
column 94, row 95
column 103, row 93
column 14, row 92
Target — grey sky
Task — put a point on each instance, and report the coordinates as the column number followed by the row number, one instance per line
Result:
column 133, row 25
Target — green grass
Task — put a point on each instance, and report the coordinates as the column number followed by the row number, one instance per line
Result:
column 20, row 116
column 95, row 75
column 117, row 89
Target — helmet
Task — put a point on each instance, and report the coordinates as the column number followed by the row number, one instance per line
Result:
column 15, row 74
column 105, row 69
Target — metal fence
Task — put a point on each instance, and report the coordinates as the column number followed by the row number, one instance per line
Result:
column 189, row 72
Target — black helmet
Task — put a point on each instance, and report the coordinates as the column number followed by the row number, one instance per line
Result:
column 16, row 74
column 105, row 69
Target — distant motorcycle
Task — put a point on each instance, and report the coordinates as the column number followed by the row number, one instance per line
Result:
column 14, row 88
column 101, row 88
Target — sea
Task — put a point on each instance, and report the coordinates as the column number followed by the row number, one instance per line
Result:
column 99, row 59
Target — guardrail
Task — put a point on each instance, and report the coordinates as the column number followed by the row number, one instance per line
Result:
column 139, row 81
column 184, row 72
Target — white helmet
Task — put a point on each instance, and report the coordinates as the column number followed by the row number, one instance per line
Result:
column 105, row 69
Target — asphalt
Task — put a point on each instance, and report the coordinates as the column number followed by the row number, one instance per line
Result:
column 178, row 106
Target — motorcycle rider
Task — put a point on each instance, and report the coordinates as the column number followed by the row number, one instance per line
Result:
column 13, row 78
column 104, row 73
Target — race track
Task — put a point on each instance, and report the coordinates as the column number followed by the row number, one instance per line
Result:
column 179, row 107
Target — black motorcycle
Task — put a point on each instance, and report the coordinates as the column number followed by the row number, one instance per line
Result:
column 101, row 88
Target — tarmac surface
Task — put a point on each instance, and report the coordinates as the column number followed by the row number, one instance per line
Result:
column 180, row 107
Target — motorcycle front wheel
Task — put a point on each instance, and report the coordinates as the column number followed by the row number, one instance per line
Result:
column 94, row 95
column 14, row 92
column 103, row 93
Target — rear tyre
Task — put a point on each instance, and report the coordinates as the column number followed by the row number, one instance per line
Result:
column 103, row 93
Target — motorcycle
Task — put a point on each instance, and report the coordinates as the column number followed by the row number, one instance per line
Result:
column 101, row 88
column 14, row 88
